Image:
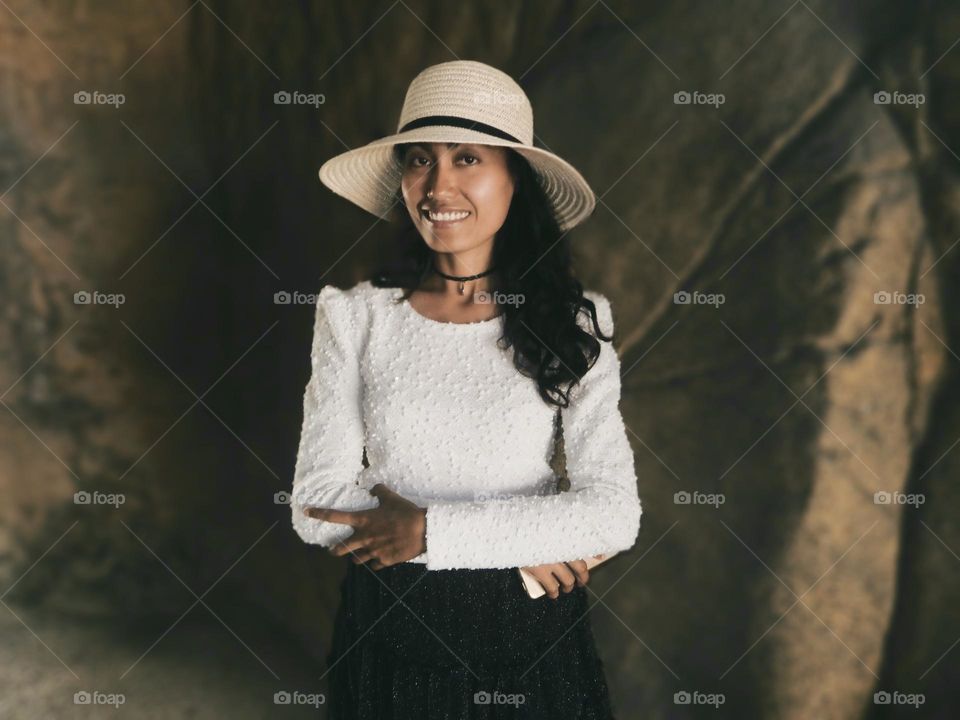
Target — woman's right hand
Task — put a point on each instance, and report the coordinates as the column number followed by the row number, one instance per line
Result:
column 564, row 575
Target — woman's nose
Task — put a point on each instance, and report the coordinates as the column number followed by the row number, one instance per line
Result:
column 441, row 179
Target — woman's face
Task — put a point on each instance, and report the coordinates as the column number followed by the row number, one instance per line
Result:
column 471, row 188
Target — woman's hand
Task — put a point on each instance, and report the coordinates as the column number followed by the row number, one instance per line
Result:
column 385, row 535
column 557, row 575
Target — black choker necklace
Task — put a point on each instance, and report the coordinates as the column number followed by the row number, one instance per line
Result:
column 461, row 279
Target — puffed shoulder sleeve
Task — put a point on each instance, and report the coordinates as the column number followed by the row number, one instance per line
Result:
column 599, row 514
column 330, row 455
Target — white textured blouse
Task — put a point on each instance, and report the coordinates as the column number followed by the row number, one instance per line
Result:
column 450, row 424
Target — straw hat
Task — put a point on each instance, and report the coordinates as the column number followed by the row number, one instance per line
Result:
column 463, row 101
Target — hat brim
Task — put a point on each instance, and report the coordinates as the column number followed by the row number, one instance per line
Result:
column 369, row 176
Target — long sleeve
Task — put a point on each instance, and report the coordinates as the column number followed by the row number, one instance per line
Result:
column 599, row 514
column 330, row 456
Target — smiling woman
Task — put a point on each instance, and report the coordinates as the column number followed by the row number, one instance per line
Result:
column 451, row 370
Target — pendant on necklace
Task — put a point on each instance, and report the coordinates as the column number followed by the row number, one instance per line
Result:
column 460, row 287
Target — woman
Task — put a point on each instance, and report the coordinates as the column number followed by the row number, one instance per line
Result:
column 448, row 373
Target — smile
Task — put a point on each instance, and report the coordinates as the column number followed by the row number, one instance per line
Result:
column 446, row 217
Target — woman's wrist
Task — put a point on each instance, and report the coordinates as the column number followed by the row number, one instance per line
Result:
column 423, row 530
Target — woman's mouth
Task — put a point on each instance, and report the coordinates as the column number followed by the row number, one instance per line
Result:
column 446, row 218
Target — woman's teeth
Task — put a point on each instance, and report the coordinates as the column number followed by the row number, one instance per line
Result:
column 447, row 216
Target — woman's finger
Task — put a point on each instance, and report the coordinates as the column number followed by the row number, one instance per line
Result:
column 580, row 570
column 362, row 556
column 546, row 579
column 381, row 491
column 335, row 516
column 350, row 545
column 564, row 575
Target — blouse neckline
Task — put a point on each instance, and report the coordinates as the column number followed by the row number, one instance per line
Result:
column 489, row 323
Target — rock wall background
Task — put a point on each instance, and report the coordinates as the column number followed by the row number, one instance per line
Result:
column 799, row 398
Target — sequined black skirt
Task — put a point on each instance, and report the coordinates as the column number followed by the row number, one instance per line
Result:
column 411, row 643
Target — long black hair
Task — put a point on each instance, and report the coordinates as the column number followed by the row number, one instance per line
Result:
column 534, row 261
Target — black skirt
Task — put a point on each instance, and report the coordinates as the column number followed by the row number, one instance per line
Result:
column 454, row 644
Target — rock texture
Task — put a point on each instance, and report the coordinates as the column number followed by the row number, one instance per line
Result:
column 798, row 399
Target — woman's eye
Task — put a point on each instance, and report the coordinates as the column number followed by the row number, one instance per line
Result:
column 421, row 161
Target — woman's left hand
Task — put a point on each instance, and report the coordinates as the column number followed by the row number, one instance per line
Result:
column 385, row 535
